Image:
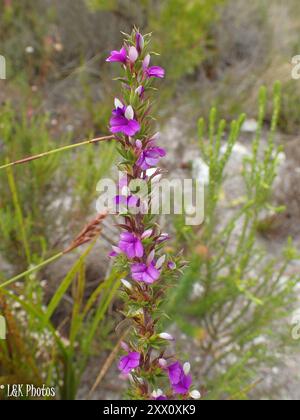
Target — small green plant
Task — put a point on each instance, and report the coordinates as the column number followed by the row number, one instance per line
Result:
column 244, row 295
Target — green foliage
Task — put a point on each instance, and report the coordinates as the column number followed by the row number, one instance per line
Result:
column 23, row 24
column 182, row 31
column 23, row 210
column 33, row 194
column 102, row 4
column 244, row 292
column 43, row 353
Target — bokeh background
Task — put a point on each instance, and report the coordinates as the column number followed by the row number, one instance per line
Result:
column 233, row 311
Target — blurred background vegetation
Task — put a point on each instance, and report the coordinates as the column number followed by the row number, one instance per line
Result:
column 241, row 288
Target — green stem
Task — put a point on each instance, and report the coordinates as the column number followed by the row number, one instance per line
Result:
column 31, row 270
column 60, row 149
column 19, row 213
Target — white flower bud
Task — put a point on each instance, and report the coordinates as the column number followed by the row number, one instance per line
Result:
column 139, row 144
column 139, row 90
column 186, row 368
column 151, row 257
column 126, row 284
column 129, row 113
column 146, row 61
column 147, row 234
column 160, row 262
column 162, row 363
column 118, row 103
column 195, row 395
column 166, row 336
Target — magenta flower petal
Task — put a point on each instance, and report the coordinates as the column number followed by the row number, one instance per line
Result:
column 155, row 71
column 145, row 273
column 153, row 272
column 118, row 56
column 180, row 382
column 138, row 249
column 129, row 362
column 120, row 124
column 131, row 246
column 175, row 372
column 149, row 158
column 183, row 385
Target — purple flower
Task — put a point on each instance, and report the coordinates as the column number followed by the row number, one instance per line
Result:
column 149, row 158
column 155, row 71
column 180, row 382
column 122, row 121
column 131, row 245
column 145, row 273
column 118, row 56
column 130, row 201
column 129, row 362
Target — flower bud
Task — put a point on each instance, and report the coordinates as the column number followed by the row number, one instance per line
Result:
column 118, row 103
column 129, row 113
column 186, row 368
column 139, row 144
column 140, row 90
column 126, row 284
column 133, row 54
column 166, row 336
column 171, row 265
column 124, row 346
column 160, row 262
column 140, row 42
column 195, row 395
column 151, row 257
column 146, row 61
column 162, row 363
column 147, row 234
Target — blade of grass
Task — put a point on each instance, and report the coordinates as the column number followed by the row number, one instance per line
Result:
column 54, row 151
column 19, row 214
column 64, row 286
column 31, row 270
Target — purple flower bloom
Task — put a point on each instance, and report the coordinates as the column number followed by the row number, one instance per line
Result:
column 180, row 382
column 145, row 273
column 155, row 71
column 149, row 158
column 118, row 56
column 129, row 362
column 131, row 245
column 129, row 201
column 122, row 121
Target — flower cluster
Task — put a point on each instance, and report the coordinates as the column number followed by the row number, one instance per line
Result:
column 140, row 250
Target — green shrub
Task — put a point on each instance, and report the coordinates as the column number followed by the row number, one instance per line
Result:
column 239, row 320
